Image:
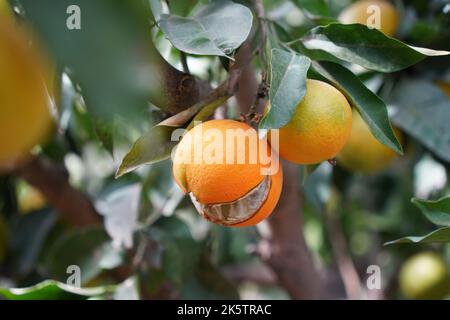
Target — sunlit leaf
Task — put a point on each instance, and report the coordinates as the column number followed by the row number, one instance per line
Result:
column 315, row 9
column 120, row 212
column 127, row 290
column 437, row 211
column 219, row 28
column 51, row 290
column 372, row 109
column 287, row 87
column 90, row 249
column 358, row 44
column 439, row 236
column 27, row 237
column 156, row 145
column 422, row 110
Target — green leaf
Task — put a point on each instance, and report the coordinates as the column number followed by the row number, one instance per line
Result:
column 180, row 252
column 439, row 236
column 422, row 110
column 287, row 87
column 156, row 9
column 218, row 29
column 104, row 133
column 27, row 237
column 208, row 111
column 51, row 290
column 358, row 44
column 314, row 8
column 372, row 109
column 108, row 57
column 120, row 211
column 127, row 290
column 154, row 146
column 90, row 249
column 438, row 212
column 182, row 7
column 209, row 283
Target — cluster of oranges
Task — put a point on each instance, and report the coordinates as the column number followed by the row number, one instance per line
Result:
column 240, row 193
column 320, row 130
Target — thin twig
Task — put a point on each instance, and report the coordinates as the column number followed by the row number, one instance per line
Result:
column 52, row 181
column 263, row 33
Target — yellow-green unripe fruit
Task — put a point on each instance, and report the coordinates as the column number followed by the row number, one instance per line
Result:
column 425, row 276
column 5, row 8
column 363, row 153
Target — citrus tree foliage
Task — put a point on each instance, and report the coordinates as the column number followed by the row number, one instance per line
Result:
column 114, row 138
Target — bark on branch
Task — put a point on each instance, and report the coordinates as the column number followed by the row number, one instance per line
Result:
column 288, row 254
column 52, row 181
column 179, row 90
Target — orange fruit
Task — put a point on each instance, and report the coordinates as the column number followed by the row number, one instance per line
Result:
column 363, row 153
column 25, row 117
column 232, row 176
column 425, row 276
column 319, row 127
column 368, row 12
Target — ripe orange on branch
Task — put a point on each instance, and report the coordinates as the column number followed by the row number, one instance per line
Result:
column 232, row 176
column 319, row 127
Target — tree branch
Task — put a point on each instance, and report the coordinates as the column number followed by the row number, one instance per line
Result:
column 52, row 181
column 179, row 90
column 260, row 13
column 248, row 85
column 287, row 253
column 347, row 270
column 214, row 99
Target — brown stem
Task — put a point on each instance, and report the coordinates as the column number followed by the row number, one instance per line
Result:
column 209, row 103
column 52, row 181
column 178, row 90
column 248, row 85
column 288, row 254
column 260, row 13
column 261, row 91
